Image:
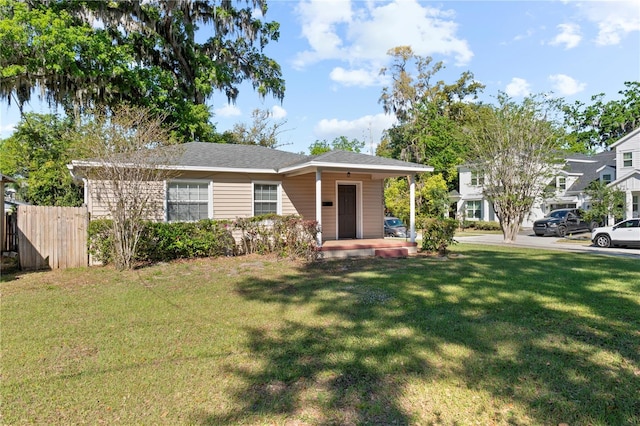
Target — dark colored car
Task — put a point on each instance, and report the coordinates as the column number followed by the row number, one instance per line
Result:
column 562, row 222
column 394, row 227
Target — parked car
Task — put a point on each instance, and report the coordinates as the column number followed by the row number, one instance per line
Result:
column 562, row 222
column 625, row 234
column 394, row 227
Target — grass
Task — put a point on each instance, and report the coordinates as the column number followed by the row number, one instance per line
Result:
column 492, row 335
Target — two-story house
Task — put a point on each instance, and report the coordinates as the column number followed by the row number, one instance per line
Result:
column 619, row 168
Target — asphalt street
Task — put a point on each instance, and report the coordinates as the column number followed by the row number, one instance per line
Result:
column 527, row 238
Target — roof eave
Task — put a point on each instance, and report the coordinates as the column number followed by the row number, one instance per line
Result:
column 367, row 168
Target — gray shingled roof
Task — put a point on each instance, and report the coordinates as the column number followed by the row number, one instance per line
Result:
column 220, row 155
column 231, row 156
column 348, row 158
column 588, row 167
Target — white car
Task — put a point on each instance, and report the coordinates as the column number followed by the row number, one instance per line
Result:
column 625, row 233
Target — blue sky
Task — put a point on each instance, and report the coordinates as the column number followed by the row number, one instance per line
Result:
column 331, row 52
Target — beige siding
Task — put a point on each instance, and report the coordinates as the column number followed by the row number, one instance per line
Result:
column 232, row 198
column 97, row 204
column 373, row 209
column 370, row 204
column 299, row 196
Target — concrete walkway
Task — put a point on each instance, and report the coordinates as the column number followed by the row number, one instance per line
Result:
column 528, row 239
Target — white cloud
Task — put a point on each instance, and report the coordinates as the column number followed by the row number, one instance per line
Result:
column 368, row 128
column 614, row 19
column 356, row 77
column 569, row 36
column 518, row 87
column 360, row 34
column 278, row 113
column 228, row 110
column 7, row 128
column 565, row 85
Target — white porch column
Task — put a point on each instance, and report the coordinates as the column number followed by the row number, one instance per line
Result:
column 628, row 204
column 319, row 205
column 412, row 208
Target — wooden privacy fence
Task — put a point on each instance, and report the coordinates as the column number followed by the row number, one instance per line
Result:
column 52, row 237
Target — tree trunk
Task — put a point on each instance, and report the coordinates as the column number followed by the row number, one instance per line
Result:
column 510, row 232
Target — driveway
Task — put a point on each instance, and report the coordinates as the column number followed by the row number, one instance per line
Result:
column 527, row 238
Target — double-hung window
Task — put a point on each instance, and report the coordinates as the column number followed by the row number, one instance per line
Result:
column 473, row 209
column 188, row 200
column 266, row 198
column 477, row 178
column 606, row 178
column 627, row 159
column 561, row 183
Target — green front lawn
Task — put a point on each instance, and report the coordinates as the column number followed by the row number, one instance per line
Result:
column 490, row 336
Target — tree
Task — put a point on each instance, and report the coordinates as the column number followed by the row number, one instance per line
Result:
column 600, row 124
column 122, row 151
column 432, row 197
column 517, row 148
column 606, row 202
column 262, row 131
column 430, row 114
column 341, row 143
column 37, row 153
column 142, row 53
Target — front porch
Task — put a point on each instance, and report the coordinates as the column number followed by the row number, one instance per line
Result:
column 379, row 247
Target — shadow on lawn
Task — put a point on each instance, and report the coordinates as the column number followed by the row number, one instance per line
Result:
column 530, row 329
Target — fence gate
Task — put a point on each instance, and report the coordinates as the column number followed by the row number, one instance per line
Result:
column 52, row 237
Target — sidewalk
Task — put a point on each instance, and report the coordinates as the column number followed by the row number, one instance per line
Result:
column 527, row 239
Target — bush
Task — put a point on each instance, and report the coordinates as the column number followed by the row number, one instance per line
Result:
column 162, row 242
column 437, row 234
column 100, row 234
column 480, row 225
column 288, row 236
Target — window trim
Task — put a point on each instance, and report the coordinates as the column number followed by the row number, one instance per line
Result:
column 466, row 209
column 209, row 184
column 478, row 177
column 630, row 159
column 561, row 186
column 278, row 194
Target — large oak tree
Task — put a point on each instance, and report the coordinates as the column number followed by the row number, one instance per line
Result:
column 170, row 56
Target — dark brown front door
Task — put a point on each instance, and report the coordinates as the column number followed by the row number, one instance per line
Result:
column 346, row 211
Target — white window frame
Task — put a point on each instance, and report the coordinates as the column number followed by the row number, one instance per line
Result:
column 278, row 194
column 561, row 183
column 478, row 177
column 466, row 209
column 630, row 159
column 604, row 177
column 209, row 184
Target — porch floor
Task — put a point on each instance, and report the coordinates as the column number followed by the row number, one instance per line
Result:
column 380, row 247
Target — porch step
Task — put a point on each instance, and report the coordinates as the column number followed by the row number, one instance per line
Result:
column 392, row 253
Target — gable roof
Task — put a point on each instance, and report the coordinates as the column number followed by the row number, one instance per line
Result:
column 205, row 156
column 588, row 168
column 217, row 156
column 625, row 138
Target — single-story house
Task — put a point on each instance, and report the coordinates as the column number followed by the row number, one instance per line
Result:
column 342, row 191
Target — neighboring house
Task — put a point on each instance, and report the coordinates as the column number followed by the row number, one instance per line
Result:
column 342, row 190
column 619, row 168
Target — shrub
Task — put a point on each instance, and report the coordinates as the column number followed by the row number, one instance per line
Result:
column 100, row 235
column 161, row 242
column 437, row 234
